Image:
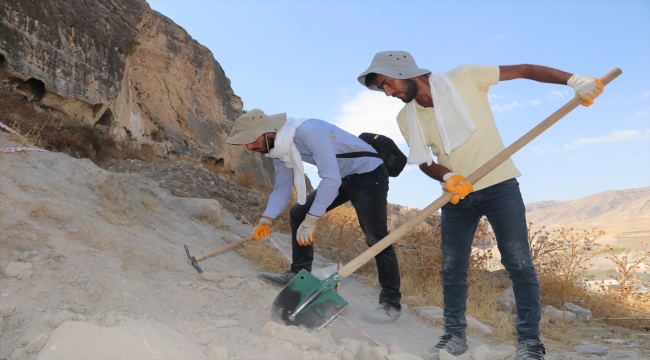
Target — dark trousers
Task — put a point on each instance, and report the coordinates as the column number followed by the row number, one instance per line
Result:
column 504, row 208
column 367, row 192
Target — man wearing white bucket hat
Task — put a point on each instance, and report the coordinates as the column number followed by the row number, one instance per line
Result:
column 361, row 180
column 450, row 113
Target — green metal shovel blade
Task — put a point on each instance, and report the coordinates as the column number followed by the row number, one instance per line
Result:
column 321, row 308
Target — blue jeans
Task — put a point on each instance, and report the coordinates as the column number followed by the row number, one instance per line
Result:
column 504, row 208
column 368, row 194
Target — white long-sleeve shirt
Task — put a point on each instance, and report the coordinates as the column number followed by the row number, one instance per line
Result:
column 318, row 143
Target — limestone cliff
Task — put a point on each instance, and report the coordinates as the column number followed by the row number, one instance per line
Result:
column 118, row 67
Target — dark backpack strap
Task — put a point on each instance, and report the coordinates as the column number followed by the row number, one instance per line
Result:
column 358, row 154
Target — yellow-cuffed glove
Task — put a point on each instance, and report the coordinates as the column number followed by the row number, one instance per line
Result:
column 457, row 185
column 263, row 229
column 587, row 88
column 307, row 231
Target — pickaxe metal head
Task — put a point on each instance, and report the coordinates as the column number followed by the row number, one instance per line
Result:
column 192, row 260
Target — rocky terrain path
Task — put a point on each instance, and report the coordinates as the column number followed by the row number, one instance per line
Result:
column 93, row 266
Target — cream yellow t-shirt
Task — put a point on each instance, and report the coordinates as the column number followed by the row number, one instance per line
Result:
column 472, row 84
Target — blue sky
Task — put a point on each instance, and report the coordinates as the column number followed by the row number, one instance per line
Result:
column 303, row 58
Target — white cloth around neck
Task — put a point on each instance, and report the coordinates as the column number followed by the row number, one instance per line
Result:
column 286, row 151
column 453, row 120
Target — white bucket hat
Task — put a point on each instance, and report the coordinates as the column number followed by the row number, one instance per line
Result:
column 254, row 123
column 394, row 64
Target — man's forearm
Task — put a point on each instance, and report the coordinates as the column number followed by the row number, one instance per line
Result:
column 434, row 171
column 533, row 72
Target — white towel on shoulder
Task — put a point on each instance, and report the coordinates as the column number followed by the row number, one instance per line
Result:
column 286, row 151
column 454, row 122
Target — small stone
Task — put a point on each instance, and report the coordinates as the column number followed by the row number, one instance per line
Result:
column 7, row 309
column 352, row 346
column 591, row 349
column 218, row 353
column 297, row 337
column 481, row 353
column 346, row 355
column 226, row 323
column 37, row 343
column 53, row 321
column 15, row 269
column 611, row 335
column 583, row 314
column 185, row 283
column 472, row 323
column 380, row 352
column 434, row 313
column 402, row 356
column 614, row 341
column 211, row 276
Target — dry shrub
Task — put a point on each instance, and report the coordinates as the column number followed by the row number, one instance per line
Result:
column 247, row 180
column 562, row 257
column 150, row 203
column 565, row 253
column 627, row 277
column 115, row 216
column 264, row 256
column 216, row 166
column 214, row 221
column 52, row 130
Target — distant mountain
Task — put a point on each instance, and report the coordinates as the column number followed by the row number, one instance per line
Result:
column 621, row 213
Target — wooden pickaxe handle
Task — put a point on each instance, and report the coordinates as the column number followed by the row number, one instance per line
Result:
column 221, row 249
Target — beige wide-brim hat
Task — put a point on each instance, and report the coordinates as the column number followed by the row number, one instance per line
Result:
column 394, row 64
column 254, row 123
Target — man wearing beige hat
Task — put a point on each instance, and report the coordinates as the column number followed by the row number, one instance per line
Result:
column 450, row 114
column 361, row 180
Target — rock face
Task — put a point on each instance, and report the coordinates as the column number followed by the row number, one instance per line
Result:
column 119, row 67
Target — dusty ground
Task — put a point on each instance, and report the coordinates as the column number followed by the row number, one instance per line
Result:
column 93, row 266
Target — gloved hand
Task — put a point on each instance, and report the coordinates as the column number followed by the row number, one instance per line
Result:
column 587, row 88
column 307, row 230
column 263, row 229
column 457, row 185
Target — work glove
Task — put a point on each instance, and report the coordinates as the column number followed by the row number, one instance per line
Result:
column 263, row 229
column 456, row 184
column 587, row 88
column 307, row 230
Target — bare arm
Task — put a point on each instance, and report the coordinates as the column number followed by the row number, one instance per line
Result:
column 533, row 72
column 434, row 171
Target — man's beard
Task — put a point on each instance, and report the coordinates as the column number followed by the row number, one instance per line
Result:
column 411, row 90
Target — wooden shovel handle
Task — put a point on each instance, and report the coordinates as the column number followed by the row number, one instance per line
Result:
column 218, row 250
column 357, row 262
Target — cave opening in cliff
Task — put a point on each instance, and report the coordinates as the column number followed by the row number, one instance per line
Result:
column 3, row 66
column 213, row 160
column 106, row 119
column 34, row 89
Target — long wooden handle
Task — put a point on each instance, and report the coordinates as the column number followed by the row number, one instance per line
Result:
column 357, row 262
column 218, row 250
